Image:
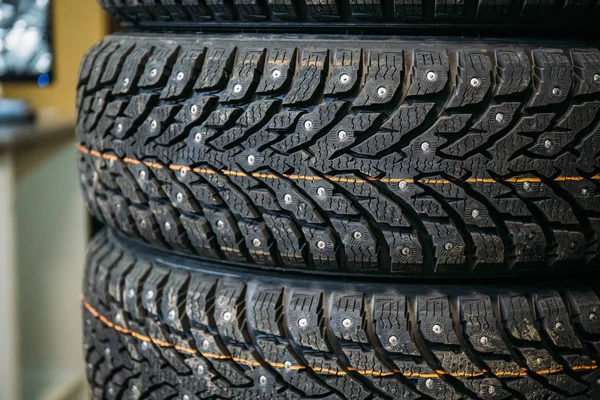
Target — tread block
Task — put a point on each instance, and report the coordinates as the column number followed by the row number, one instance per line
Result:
column 184, row 73
column 429, row 72
column 217, row 64
column 312, row 69
column 245, row 75
column 552, row 78
column 479, row 324
column 435, row 320
column 384, row 70
column 280, row 68
column 345, row 72
column 390, row 316
column 518, row 318
column 304, row 319
column 474, row 78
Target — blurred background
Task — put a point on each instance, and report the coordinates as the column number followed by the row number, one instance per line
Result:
column 44, row 227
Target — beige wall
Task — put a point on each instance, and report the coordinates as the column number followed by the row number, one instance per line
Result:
column 77, row 25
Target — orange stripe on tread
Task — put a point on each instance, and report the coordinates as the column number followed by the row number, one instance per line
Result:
column 253, row 363
column 262, row 175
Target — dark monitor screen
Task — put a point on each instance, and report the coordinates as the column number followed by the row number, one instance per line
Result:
column 25, row 41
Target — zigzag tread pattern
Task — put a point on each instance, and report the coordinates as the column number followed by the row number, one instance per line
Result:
column 346, row 156
column 155, row 330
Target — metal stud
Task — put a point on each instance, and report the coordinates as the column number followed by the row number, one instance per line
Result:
column 548, row 143
column 381, row 92
column 198, row 137
column 153, row 72
column 437, row 329
column 183, row 172
column 539, row 361
column 484, row 340
column 237, row 88
column 584, row 192
column 342, row 135
column 205, row 344
column 499, row 117
column 344, row 78
column 262, row 380
column 403, row 185
column 347, row 322
column 431, row 76
column 276, row 73
column 593, row 316
column 393, row 340
column 429, row 383
column 425, row 146
column 145, row 345
column 130, row 293
column 250, row 159
column 227, row 316
column 475, row 82
column 179, row 197
column 308, row 125
column 220, row 224
column 559, row 326
column 405, row 251
column 357, row 235
column 185, row 397
column 475, row 213
column 194, row 109
column 287, row 365
column 596, row 77
column 556, row 91
column 321, row 244
column 149, row 294
column 321, row 192
column 302, row 322
column 527, row 186
column 180, row 76
column 287, row 198
column 126, row 82
column 448, row 246
column 172, row 314
column 143, row 223
column 200, row 369
column 491, row 389
column 119, row 127
column 153, row 124
column 256, row 242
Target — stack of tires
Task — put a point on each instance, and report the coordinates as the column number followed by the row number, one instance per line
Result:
column 302, row 204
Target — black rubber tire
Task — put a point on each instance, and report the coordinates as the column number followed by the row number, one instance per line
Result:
column 452, row 159
column 513, row 17
column 159, row 326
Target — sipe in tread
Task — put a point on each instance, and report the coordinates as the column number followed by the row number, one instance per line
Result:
column 354, row 156
column 160, row 326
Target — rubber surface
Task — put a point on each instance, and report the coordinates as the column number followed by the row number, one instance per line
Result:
column 162, row 327
column 505, row 16
column 412, row 158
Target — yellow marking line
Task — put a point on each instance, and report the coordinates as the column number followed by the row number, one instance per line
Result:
column 252, row 363
column 263, row 175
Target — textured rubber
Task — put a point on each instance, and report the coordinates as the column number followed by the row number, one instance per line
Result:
column 163, row 327
column 505, row 16
column 413, row 158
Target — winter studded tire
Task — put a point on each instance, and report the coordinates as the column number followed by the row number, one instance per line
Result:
column 353, row 155
column 159, row 326
column 423, row 16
